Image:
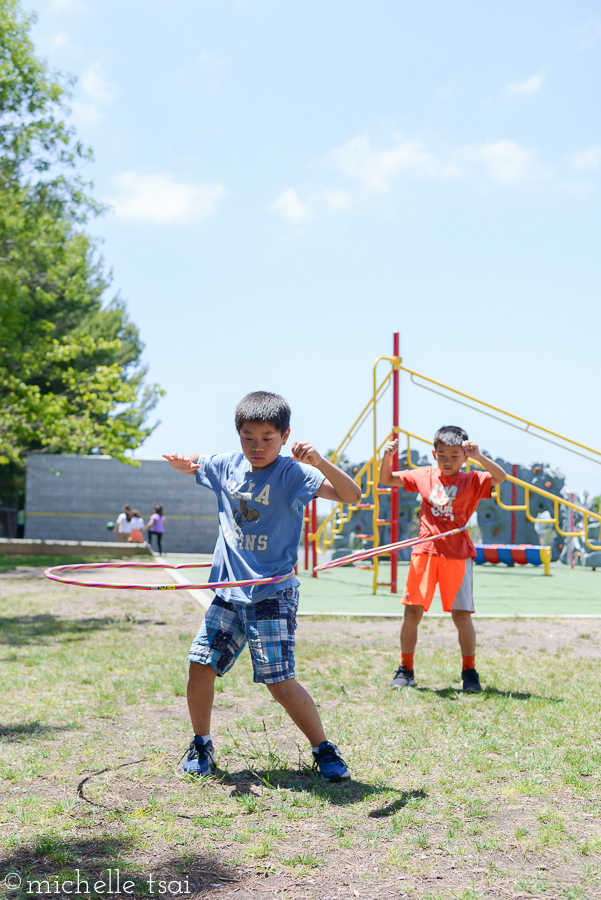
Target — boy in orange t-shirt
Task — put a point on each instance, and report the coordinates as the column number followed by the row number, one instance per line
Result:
column 449, row 497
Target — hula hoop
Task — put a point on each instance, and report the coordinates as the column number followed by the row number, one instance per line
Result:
column 386, row 548
column 52, row 574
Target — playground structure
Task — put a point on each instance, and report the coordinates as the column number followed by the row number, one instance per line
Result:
column 533, row 501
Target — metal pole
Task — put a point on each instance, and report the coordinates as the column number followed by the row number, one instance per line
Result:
column 306, row 521
column 394, row 493
column 314, row 528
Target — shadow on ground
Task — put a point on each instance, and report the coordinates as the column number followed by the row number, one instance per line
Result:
column 17, row 631
column 342, row 793
column 20, row 731
column 294, row 780
column 92, row 867
column 452, row 693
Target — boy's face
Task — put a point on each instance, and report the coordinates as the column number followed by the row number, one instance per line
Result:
column 449, row 459
column 261, row 443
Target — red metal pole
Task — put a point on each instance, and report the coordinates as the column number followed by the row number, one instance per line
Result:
column 314, row 529
column 306, row 518
column 394, row 493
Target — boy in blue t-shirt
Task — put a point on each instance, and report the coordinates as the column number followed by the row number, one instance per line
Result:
column 261, row 498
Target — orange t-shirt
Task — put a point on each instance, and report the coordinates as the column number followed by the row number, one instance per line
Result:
column 447, row 502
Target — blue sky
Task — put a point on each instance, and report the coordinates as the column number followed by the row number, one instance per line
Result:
column 290, row 183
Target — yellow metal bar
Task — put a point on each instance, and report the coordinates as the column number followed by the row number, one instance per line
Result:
column 504, row 412
column 333, row 524
column 528, row 488
column 377, row 395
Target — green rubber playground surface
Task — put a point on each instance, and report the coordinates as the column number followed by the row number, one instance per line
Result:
column 498, row 591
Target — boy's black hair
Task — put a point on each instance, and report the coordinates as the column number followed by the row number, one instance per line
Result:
column 450, row 436
column 262, row 406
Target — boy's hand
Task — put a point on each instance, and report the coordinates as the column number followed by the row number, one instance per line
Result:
column 391, row 446
column 306, row 453
column 181, row 463
column 471, row 449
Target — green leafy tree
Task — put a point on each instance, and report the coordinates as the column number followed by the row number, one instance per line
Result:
column 71, row 380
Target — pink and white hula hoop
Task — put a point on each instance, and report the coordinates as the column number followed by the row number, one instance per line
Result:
column 52, row 574
column 386, row 548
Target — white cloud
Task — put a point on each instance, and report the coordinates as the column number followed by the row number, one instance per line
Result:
column 289, row 207
column 96, row 86
column 503, row 161
column 160, row 199
column 586, row 160
column 96, row 94
column 365, row 172
column 376, row 169
column 59, row 41
column 337, row 201
column 527, row 87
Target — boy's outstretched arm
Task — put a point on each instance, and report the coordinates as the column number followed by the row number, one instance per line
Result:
column 498, row 474
column 338, row 485
column 186, row 464
column 387, row 476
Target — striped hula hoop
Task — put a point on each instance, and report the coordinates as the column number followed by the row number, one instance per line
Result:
column 53, row 573
column 386, row 548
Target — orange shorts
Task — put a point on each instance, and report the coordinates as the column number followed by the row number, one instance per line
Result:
column 453, row 576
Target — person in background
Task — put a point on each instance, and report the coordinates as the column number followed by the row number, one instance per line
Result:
column 156, row 524
column 21, row 522
column 123, row 524
column 137, row 526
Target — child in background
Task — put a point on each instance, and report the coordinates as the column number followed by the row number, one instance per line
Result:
column 449, row 497
column 261, row 498
column 137, row 524
column 156, row 524
column 123, row 524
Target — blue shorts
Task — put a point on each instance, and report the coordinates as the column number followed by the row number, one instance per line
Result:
column 268, row 627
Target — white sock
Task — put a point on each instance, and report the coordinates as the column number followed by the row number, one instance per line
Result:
column 204, row 737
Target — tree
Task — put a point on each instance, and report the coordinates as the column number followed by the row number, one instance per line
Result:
column 70, row 374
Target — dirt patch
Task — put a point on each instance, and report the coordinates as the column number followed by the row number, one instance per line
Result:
column 579, row 636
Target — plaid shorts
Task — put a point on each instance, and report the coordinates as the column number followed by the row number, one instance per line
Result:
column 268, row 627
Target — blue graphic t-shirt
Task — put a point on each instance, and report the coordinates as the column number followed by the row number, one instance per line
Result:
column 260, row 520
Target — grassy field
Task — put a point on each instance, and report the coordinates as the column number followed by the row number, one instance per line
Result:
column 23, row 563
column 455, row 797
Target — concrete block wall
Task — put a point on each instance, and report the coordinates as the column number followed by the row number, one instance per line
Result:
column 73, row 498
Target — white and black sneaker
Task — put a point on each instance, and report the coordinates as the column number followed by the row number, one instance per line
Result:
column 471, row 681
column 403, row 678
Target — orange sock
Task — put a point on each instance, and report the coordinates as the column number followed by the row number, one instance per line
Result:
column 407, row 660
column 469, row 662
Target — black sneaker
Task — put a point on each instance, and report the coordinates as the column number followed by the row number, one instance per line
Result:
column 471, row 681
column 403, row 678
